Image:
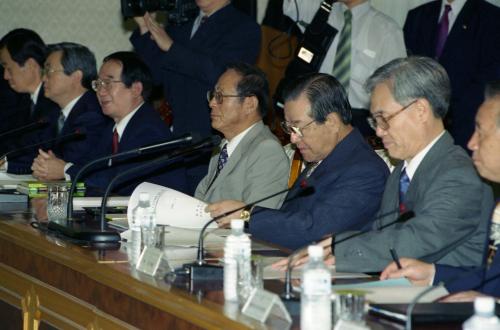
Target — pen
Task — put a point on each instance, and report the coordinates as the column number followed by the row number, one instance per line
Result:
column 395, row 258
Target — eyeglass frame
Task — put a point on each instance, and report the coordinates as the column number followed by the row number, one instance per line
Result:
column 48, row 71
column 372, row 120
column 97, row 84
column 289, row 129
column 219, row 96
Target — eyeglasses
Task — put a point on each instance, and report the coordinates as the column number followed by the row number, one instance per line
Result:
column 289, row 129
column 383, row 122
column 219, row 96
column 48, row 71
column 103, row 83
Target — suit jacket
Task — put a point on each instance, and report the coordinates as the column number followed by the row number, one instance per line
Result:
column 348, row 186
column 20, row 163
column 452, row 208
column 86, row 115
column 192, row 66
column 257, row 168
column 144, row 128
column 471, row 55
column 485, row 280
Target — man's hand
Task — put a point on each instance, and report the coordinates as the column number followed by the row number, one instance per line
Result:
column 302, row 257
column 222, row 207
column 47, row 166
column 464, row 296
column 158, row 34
column 418, row 272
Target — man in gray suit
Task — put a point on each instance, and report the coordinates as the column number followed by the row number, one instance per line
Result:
column 435, row 180
column 250, row 163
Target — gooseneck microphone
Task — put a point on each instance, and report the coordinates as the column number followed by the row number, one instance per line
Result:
column 199, row 269
column 186, row 138
column 175, row 155
column 26, row 128
column 76, row 134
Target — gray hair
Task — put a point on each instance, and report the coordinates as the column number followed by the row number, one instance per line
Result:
column 492, row 91
column 412, row 78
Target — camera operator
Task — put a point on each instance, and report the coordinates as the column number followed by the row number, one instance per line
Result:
column 188, row 59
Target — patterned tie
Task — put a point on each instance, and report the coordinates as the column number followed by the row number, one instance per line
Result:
column 32, row 109
column 116, row 139
column 60, row 123
column 443, row 27
column 404, row 183
column 222, row 159
column 342, row 65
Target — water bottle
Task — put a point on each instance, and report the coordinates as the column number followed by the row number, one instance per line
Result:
column 237, row 267
column 315, row 303
column 143, row 220
column 484, row 317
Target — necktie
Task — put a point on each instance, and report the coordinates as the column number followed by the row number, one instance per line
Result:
column 342, row 65
column 203, row 19
column 443, row 27
column 60, row 123
column 222, row 159
column 404, row 183
column 116, row 139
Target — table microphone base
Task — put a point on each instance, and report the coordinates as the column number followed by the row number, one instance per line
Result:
column 204, row 271
column 84, row 233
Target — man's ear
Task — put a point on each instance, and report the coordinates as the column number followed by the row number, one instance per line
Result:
column 136, row 88
column 251, row 103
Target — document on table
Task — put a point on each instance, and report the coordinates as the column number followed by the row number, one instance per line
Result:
column 393, row 291
column 80, row 202
column 172, row 207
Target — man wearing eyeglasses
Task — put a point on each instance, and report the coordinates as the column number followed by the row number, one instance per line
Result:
column 347, row 176
column 22, row 54
column 123, row 85
column 250, row 163
column 67, row 75
column 435, row 179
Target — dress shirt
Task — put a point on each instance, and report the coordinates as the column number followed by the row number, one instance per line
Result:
column 67, row 109
column 456, row 7
column 231, row 145
column 412, row 166
column 376, row 40
column 34, row 95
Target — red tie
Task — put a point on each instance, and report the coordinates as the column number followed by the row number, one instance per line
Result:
column 115, row 142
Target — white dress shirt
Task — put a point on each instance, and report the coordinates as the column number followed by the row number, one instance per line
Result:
column 376, row 40
column 412, row 166
column 231, row 145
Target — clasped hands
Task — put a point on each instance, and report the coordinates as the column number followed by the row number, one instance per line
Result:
column 148, row 23
column 47, row 166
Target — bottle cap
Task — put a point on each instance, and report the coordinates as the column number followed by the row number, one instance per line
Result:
column 143, row 197
column 315, row 251
column 484, row 305
column 237, row 224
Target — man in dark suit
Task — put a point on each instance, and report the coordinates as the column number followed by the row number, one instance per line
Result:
column 68, row 73
column 22, row 54
column 435, row 179
column 188, row 59
column 124, row 83
column 485, row 145
column 347, row 176
column 470, row 53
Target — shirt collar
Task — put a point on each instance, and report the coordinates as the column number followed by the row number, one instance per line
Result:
column 357, row 11
column 412, row 165
column 67, row 109
column 231, row 145
column 456, row 6
column 122, row 124
column 34, row 96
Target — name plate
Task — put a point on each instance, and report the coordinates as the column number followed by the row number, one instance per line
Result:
column 261, row 304
column 149, row 260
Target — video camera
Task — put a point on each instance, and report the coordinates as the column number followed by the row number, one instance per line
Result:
column 178, row 11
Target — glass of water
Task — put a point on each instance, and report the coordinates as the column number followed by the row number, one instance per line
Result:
column 57, row 203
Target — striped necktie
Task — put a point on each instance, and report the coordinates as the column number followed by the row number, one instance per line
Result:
column 404, row 183
column 342, row 65
column 60, row 123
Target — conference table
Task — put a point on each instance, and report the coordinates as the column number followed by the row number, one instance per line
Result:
column 48, row 282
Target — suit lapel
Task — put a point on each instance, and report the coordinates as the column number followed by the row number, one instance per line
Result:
column 462, row 25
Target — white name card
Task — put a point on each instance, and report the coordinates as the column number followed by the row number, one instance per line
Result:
column 149, row 260
column 261, row 304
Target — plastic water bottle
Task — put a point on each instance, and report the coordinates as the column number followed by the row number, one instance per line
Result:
column 143, row 220
column 237, row 267
column 484, row 317
column 315, row 303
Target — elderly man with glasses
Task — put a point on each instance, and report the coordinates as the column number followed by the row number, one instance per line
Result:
column 67, row 75
column 250, row 163
column 347, row 176
column 123, row 86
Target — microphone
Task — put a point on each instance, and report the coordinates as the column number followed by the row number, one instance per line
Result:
column 133, row 152
column 208, row 142
column 26, row 128
column 199, row 269
column 76, row 134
